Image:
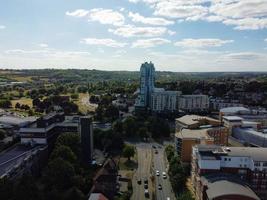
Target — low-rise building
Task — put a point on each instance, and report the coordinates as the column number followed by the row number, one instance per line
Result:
column 246, row 165
column 194, row 122
column 194, row 103
column 185, row 139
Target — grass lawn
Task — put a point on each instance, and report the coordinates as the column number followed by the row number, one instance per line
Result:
column 27, row 101
column 83, row 103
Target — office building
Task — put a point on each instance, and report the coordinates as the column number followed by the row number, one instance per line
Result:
column 86, row 133
column 245, row 168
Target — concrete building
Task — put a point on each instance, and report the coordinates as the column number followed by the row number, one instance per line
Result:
column 246, row 166
column 194, row 103
column 194, row 122
column 86, row 133
column 192, row 130
column 159, row 100
column 187, row 138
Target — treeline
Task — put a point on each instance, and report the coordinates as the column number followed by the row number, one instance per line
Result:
column 64, row 178
column 178, row 174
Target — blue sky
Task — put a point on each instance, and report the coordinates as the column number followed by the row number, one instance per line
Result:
column 177, row 35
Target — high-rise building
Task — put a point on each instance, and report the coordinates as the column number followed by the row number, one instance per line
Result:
column 147, row 79
column 160, row 100
column 86, row 133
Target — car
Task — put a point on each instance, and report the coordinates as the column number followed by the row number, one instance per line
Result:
column 168, row 198
column 146, row 186
column 139, row 181
column 145, row 181
column 157, row 172
column 154, row 147
column 160, row 187
column 146, row 193
column 156, row 152
column 164, row 175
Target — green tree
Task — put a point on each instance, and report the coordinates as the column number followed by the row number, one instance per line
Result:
column 26, row 189
column 2, row 134
column 71, row 140
column 65, row 153
column 17, row 106
column 59, row 174
column 143, row 132
column 170, row 152
column 128, row 151
column 5, row 103
column 130, row 126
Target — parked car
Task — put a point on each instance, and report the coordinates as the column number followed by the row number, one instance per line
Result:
column 139, row 181
column 157, row 172
column 146, row 194
column 160, row 187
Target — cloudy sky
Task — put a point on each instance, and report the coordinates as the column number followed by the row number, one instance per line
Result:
column 177, row 35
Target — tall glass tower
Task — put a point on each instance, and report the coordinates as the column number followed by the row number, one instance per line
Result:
column 147, row 80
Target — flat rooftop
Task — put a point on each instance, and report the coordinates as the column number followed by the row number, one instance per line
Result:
column 193, row 134
column 257, row 154
column 232, row 118
column 194, row 119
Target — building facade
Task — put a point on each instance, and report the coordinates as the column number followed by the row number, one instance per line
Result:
column 159, row 100
column 246, row 165
column 86, row 133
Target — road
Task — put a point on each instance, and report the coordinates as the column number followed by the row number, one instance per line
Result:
column 144, row 153
column 160, row 165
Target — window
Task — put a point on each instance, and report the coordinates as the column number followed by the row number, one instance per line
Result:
column 225, row 159
column 257, row 164
column 264, row 164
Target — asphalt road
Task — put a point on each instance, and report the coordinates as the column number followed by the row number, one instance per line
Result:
column 161, row 166
column 144, row 152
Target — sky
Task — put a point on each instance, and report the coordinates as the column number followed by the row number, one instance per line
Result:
column 176, row 35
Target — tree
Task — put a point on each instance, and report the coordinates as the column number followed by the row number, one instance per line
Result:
column 185, row 196
column 170, row 152
column 59, row 174
column 143, row 132
column 2, row 134
column 65, row 153
column 5, row 103
column 17, row 106
column 117, row 126
column 128, row 151
column 130, row 126
column 74, row 96
column 26, row 189
column 74, row 193
column 71, row 140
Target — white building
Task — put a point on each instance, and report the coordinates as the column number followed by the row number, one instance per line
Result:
column 194, row 102
column 160, row 100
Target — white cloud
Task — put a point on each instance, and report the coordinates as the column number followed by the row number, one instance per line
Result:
column 133, row 31
column 242, row 14
column 47, row 53
column 174, row 9
column 156, row 21
column 103, row 16
column 78, row 13
column 103, row 42
column 43, row 45
column 147, row 43
column 202, row 43
column 265, row 40
column 2, row 27
column 244, row 56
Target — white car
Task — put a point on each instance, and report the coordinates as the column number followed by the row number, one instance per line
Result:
column 164, row 175
column 157, row 172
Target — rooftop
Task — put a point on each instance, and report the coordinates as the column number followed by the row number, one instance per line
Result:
column 226, row 187
column 194, row 119
column 233, row 118
column 16, row 121
column 193, row 134
column 234, row 110
column 257, row 154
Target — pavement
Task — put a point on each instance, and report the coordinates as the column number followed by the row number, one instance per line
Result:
column 13, row 157
column 144, row 153
column 148, row 163
column 160, row 164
